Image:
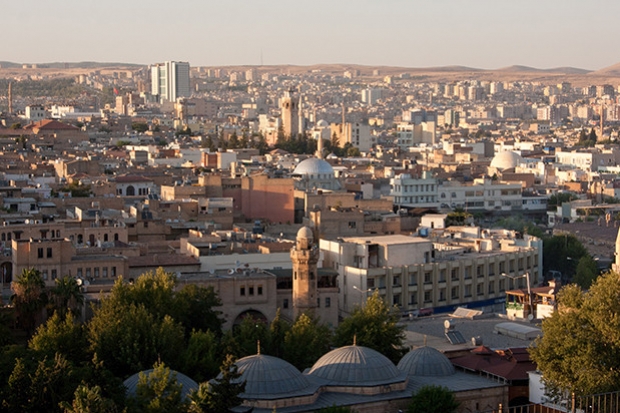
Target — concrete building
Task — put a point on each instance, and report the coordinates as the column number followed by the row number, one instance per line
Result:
column 355, row 133
column 457, row 266
column 170, row 80
column 35, row 112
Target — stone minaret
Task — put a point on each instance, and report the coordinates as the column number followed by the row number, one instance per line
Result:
column 305, row 256
column 290, row 117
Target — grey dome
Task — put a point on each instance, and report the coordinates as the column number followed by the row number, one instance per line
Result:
column 356, row 366
column 268, row 377
column 313, row 166
column 506, row 160
column 305, row 232
column 131, row 384
column 426, row 361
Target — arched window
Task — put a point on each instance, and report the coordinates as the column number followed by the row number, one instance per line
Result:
column 116, row 237
column 105, row 237
column 131, row 191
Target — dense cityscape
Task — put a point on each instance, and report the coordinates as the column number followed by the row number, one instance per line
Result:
column 333, row 238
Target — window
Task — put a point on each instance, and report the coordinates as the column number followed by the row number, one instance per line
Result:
column 49, row 253
column 251, row 290
column 242, row 291
column 413, row 279
column 428, row 296
column 396, row 299
column 97, row 272
column 105, row 237
column 318, row 301
column 455, row 274
column 87, row 272
column 285, row 303
column 396, row 282
column 468, row 290
column 502, row 285
column 44, row 273
column 413, row 299
column 442, row 275
column 113, row 271
column 480, row 289
column 454, row 293
column 260, row 290
column 491, row 287
column 328, row 302
column 54, row 274
column 442, row 294
column 480, row 271
column 352, row 224
column 105, row 272
column 79, row 273
column 467, row 272
column 370, row 283
column 39, row 252
column 428, row 277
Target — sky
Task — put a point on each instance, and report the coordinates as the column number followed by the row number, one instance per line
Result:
column 486, row 34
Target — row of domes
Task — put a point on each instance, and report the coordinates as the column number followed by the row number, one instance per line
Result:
column 269, row 377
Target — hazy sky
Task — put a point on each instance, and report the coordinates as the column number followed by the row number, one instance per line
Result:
column 412, row 33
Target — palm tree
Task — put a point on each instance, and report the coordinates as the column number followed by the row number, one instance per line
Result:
column 29, row 298
column 67, row 296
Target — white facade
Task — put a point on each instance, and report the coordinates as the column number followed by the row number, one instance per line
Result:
column 35, row 113
column 170, row 81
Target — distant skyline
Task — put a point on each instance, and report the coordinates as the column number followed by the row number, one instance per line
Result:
column 486, row 34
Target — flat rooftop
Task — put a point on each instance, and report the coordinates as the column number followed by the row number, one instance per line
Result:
column 387, row 239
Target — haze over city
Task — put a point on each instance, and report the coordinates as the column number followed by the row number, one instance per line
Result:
column 484, row 34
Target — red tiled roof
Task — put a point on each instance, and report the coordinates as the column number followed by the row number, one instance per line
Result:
column 506, row 366
column 50, row 124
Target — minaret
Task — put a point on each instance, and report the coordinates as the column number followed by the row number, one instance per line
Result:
column 300, row 121
column 305, row 256
column 600, row 138
column 289, row 109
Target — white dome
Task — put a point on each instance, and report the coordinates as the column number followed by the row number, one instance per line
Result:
column 313, row 166
column 506, row 160
column 322, row 124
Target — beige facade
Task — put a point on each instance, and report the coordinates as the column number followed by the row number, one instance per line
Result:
column 438, row 272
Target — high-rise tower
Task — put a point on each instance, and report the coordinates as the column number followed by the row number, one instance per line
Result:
column 305, row 256
column 170, row 80
column 290, row 114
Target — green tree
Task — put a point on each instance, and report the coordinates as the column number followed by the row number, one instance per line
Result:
column 562, row 253
column 67, row 297
column 140, row 127
column 29, row 298
column 40, row 387
column 457, row 218
column 433, row 399
column 195, row 308
column 221, row 394
column 306, row 342
column 248, row 334
column 88, row 399
column 277, row 333
column 233, row 141
column 375, row 326
column 200, row 360
column 130, row 338
column 586, row 272
column 159, row 392
column 579, row 350
column 62, row 336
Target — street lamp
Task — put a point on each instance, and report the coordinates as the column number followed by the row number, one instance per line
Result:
column 529, row 288
column 364, row 292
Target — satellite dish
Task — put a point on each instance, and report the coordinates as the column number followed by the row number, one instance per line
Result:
column 79, row 281
column 530, row 317
column 211, row 271
column 448, row 325
column 231, row 271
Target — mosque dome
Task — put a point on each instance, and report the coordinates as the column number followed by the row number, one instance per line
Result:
column 314, row 167
column 268, row 377
column 426, row 361
column 131, row 384
column 356, row 366
column 322, row 124
column 506, row 160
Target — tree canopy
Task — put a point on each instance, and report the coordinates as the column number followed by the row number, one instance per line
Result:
column 579, row 350
column 375, row 326
column 433, row 399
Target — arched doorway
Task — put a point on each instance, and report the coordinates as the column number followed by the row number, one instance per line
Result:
column 254, row 314
column 130, row 191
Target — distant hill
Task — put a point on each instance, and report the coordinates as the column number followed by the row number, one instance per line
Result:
column 528, row 69
column 613, row 70
column 69, row 65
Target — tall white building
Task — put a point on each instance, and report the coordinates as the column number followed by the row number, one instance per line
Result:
column 170, row 80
